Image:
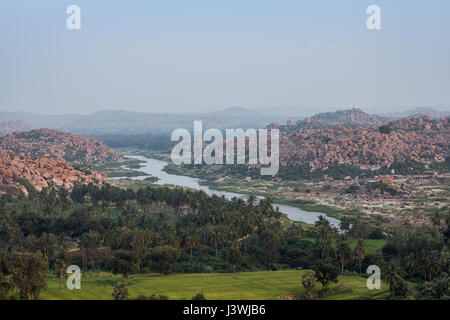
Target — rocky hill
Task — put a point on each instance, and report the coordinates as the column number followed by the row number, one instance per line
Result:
column 40, row 172
column 61, row 145
column 347, row 118
column 423, row 139
column 352, row 117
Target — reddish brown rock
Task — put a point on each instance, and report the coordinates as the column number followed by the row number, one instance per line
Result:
column 422, row 139
column 40, row 173
column 61, row 145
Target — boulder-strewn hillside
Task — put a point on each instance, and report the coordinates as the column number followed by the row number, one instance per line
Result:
column 321, row 121
column 9, row 126
column 423, row 139
column 55, row 144
column 40, row 172
column 352, row 117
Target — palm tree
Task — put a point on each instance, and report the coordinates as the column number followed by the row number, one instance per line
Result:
column 436, row 219
column 216, row 238
column 47, row 243
column 247, row 229
column 393, row 278
column 192, row 240
column 61, row 262
column 326, row 233
column 360, row 252
column 90, row 241
column 140, row 241
column 356, row 228
column 344, row 251
column 309, row 281
column 236, row 245
column 344, row 225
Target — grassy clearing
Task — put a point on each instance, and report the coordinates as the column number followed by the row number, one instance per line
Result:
column 116, row 170
column 264, row 285
column 304, row 205
column 372, row 244
column 162, row 155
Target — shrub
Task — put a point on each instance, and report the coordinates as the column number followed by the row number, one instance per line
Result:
column 377, row 234
column 162, row 259
column 121, row 291
column 152, row 297
column 353, row 189
column 199, row 296
column 385, row 129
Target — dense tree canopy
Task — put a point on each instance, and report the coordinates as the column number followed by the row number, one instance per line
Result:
column 168, row 229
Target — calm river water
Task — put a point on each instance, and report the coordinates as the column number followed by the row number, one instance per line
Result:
column 155, row 168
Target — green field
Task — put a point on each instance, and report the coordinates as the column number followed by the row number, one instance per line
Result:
column 372, row 244
column 264, row 285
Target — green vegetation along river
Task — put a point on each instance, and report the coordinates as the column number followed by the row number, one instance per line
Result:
column 155, row 168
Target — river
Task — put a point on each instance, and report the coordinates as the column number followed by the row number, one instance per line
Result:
column 155, row 168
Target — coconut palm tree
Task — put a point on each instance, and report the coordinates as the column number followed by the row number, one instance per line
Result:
column 140, row 241
column 436, row 219
column 393, row 277
column 192, row 241
column 360, row 252
column 344, row 251
column 215, row 238
column 326, row 232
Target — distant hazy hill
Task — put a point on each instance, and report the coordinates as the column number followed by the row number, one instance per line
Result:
column 292, row 112
column 110, row 122
column 40, row 120
column 129, row 122
column 9, row 126
column 420, row 111
column 237, row 112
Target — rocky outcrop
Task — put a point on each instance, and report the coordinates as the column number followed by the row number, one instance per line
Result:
column 61, row 145
column 352, row 117
column 422, row 139
column 41, row 173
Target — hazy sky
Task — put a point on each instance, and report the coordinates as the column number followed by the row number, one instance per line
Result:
column 179, row 55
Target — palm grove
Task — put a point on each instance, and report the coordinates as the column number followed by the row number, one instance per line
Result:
column 175, row 230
